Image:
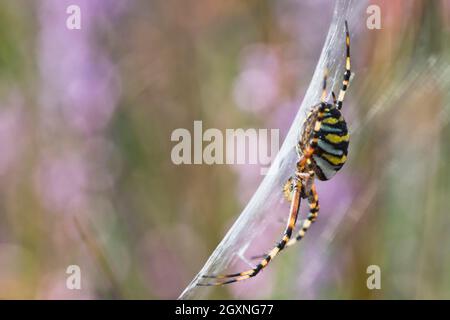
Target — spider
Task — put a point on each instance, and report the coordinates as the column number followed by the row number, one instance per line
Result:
column 322, row 151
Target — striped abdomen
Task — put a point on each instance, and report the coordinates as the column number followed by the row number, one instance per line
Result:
column 330, row 152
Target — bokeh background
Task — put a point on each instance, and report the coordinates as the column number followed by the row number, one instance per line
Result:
column 86, row 118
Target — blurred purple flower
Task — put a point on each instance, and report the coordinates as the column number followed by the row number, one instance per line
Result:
column 249, row 178
column 284, row 116
column 77, row 77
column 164, row 267
column 256, row 87
column 62, row 183
column 80, row 89
column 297, row 18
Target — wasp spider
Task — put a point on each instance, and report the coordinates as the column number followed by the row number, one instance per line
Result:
column 322, row 151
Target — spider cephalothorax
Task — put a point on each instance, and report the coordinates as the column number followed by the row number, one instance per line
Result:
column 322, row 151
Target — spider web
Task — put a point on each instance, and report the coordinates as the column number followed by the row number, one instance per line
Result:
column 263, row 208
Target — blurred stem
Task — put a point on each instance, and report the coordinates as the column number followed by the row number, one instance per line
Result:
column 98, row 253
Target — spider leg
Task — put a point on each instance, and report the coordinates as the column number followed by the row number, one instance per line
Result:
column 287, row 191
column 347, row 72
column 313, row 200
column 323, row 98
column 293, row 214
column 334, row 98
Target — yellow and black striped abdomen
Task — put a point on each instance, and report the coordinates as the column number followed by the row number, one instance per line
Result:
column 330, row 149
